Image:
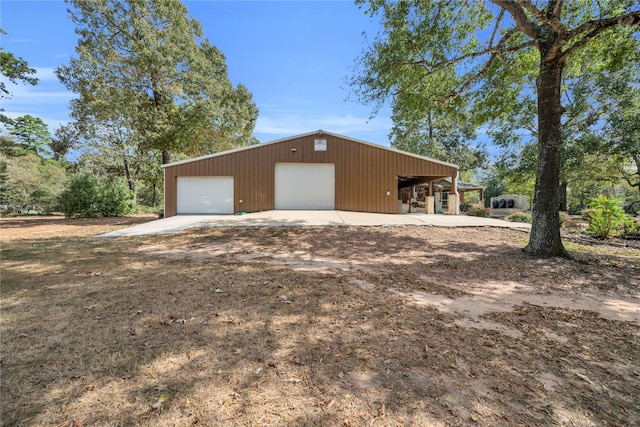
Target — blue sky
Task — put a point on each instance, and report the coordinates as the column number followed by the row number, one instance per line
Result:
column 294, row 56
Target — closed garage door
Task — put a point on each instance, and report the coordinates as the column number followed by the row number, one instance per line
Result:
column 205, row 195
column 305, row 186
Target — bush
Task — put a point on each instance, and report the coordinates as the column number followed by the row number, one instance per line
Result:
column 482, row 212
column 519, row 217
column 607, row 218
column 81, row 197
column 87, row 197
column 115, row 198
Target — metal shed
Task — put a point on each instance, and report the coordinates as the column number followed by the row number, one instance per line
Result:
column 318, row 170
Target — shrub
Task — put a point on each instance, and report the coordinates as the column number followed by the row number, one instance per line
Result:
column 465, row 207
column 607, row 218
column 81, row 197
column 87, row 197
column 482, row 212
column 115, row 198
column 519, row 217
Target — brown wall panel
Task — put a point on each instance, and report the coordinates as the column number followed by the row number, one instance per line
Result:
column 364, row 173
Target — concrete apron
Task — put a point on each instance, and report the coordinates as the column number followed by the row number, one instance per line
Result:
column 176, row 224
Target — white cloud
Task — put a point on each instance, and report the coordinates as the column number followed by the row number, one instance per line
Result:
column 46, row 74
column 48, row 100
column 292, row 124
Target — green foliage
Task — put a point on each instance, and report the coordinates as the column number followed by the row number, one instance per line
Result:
column 441, row 138
column 173, row 92
column 483, row 60
column 30, row 183
column 9, row 147
column 66, row 138
column 30, row 133
column 621, row 93
column 81, row 198
column 519, row 217
column 115, row 197
column 87, row 197
column 15, row 70
column 494, row 185
column 607, row 218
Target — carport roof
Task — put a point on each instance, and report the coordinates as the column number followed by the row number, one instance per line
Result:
column 319, row 132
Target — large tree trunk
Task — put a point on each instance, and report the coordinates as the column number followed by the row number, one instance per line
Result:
column 545, row 228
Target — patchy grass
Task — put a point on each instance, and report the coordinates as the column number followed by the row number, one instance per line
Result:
column 314, row 326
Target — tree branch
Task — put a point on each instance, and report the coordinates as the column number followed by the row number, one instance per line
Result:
column 431, row 68
column 532, row 9
column 556, row 11
column 495, row 29
column 595, row 28
column 517, row 12
column 630, row 19
column 456, row 93
column 481, row 73
column 541, row 17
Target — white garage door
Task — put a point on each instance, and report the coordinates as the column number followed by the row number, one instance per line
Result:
column 305, row 185
column 205, row 195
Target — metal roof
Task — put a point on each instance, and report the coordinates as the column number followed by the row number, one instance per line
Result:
column 319, row 132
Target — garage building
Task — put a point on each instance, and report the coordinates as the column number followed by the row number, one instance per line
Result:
column 318, row 170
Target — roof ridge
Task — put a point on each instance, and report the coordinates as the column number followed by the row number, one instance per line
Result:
column 318, row 132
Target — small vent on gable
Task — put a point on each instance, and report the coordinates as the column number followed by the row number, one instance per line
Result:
column 320, row 145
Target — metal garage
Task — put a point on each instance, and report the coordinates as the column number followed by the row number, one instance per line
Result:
column 317, row 170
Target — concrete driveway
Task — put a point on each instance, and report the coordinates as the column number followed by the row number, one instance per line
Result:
column 175, row 224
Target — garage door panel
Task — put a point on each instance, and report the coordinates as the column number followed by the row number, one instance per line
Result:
column 305, row 186
column 205, row 195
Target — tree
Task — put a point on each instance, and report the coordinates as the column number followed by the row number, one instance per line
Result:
column 622, row 124
column 144, row 68
column 15, row 70
column 439, row 138
column 486, row 52
column 582, row 158
column 31, row 133
column 66, row 137
column 28, row 182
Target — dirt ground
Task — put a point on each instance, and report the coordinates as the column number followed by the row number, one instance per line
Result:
column 346, row 326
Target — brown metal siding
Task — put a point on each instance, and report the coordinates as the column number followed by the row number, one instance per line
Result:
column 364, row 173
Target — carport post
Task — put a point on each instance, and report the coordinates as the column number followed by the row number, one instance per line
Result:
column 454, row 187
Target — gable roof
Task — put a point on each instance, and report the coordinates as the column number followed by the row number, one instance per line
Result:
column 319, row 132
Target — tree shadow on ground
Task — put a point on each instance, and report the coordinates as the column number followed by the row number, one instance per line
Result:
column 217, row 341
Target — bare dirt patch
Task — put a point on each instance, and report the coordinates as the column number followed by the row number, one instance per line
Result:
column 12, row 228
column 316, row 326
